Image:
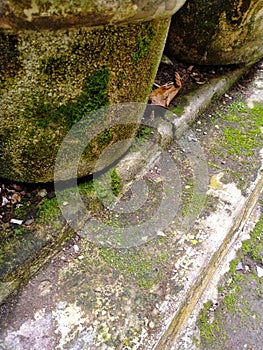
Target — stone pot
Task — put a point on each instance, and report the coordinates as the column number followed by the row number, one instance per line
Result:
column 60, row 61
column 217, row 32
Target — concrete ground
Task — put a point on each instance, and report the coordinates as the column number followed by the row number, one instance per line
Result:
column 229, row 314
column 96, row 293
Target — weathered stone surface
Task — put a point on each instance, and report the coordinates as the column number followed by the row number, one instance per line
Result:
column 40, row 14
column 51, row 79
column 217, row 32
column 61, row 61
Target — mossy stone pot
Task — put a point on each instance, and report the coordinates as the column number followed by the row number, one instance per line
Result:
column 60, row 61
column 217, row 32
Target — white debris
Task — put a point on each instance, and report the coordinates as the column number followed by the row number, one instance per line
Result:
column 16, row 221
column 76, row 248
column 4, row 201
column 259, row 271
column 239, row 266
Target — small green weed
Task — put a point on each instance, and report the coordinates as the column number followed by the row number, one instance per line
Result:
column 254, row 246
column 115, row 183
column 48, row 210
column 207, row 329
column 143, row 132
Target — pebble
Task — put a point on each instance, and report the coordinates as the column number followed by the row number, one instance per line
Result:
column 17, row 187
column 61, row 305
column 4, row 201
column 239, row 266
column 247, row 269
column 191, row 139
column 161, row 234
column 151, row 324
column 42, row 193
column 29, row 222
column 227, row 96
column 155, row 312
column 76, row 248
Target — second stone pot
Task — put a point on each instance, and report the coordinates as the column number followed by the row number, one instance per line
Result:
column 217, row 32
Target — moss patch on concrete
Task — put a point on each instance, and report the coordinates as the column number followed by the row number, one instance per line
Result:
column 143, row 268
column 245, row 134
column 213, row 333
column 236, row 139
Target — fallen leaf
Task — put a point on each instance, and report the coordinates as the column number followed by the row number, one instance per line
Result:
column 163, row 95
column 15, row 198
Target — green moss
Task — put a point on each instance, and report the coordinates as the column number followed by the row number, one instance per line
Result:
column 207, row 329
column 143, row 132
column 115, row 183
column 144, row 45
column 142, row 268
column 72, row 73
column 244, row 135
column 54, row 66
column 94, row 96
column 48, row 210
column 108, row 187
column 105, row 137
column 213, row 331
column 239, row 141
column 254, row 246
column 86, row 187
column 177, row 110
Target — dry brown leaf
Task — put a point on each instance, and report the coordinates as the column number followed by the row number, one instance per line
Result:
column 15, row 198
column 163, row 95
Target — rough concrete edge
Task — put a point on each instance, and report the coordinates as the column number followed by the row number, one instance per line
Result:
column 198, row 100
column 18, row 277
column 194, row 294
